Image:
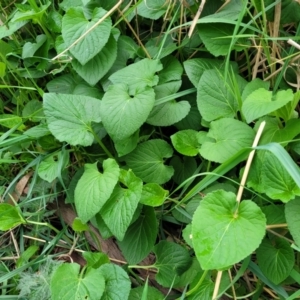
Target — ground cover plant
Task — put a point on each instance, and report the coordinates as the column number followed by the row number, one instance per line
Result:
column 149, row 149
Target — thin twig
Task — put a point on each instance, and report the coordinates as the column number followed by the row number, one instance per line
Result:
column 195, row 20
column 249, row 161
column 89, row 30
column 136, row 36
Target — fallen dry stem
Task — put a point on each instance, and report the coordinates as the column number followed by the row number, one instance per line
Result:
column 249, row 161
column 195, row 20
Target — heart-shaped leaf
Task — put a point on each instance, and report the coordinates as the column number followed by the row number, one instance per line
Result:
column 140, row 237
column 153, row 194
column 276, row 259
column 214, row 97
column 70, row 117
column 66, row 283
column 169, row 113
column 124, row 110
column 139, row 74
column 169, row 266
column 224, row 232
column 94, row 188
column 99, row 65
column 75, row 24
column 117, row 283
column 260, row 103
column 186, row 142
column 225, row 138
column 147, row 161
column 119, row 209
column 9, row 217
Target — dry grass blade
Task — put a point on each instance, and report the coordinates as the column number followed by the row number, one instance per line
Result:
column 196, row 18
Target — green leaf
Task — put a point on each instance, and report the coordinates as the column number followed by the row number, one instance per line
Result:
column 274, row 214
column 230, row 11
column 147, row 161
column 99, row 65
column 78, row 226
column 102, row 227
column 273, row 131
column 284, row 158
column 276, row 259
column 189, row 275
column 10, row 28
column 152, row 293
column 187, row 235
column 184, row 167
column 153, row 194
column 119, row 209
column 193, row 119
column 224, row 232
column 29, row 48
column 10, row 121
column 214, row 97
column 117, row 283
column 139, row 74
column 67, row 283
column 166, row 91
column 140, row 237
column 292, row 215
column 288, row 112
column 118, row 106
column 54, row 21
column 69, row 117
column 160, row 45
column 217, row 38
column 9, row 217
column 276, row 181
column 51, row 167
column 33, row 110
column 260, row 103
column 169, row 266
column 195, row 67
column 94, row 188
column 169, row 113
column 289, row 12
column 172, row 70
column 70, row 84
column 186, row 142
column 127, row 145
column 152, row 10
column 95, row 259
column 38, row 131
column 75, row 24
column 254, row 85
column 225, row 138
column 30, row 14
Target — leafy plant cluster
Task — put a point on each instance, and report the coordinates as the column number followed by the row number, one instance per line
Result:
column 141, row 116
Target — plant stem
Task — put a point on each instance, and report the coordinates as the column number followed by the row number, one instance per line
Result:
column 102, row 145
column 196, row 287
column 49, row 226
column 140, row 267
